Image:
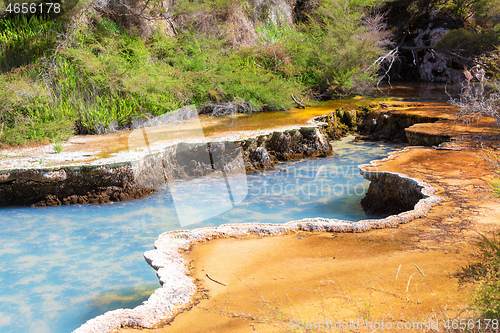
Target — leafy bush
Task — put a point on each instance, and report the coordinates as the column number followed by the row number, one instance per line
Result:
column 339, row 48
column 487, row 12
column 482, row 12
column 109, row 78
column 465, row 40
column 495, row 186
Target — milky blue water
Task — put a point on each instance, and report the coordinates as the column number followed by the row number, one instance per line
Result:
column 61, row 266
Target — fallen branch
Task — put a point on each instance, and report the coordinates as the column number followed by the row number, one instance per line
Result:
column 299, row 104
column 208, row 276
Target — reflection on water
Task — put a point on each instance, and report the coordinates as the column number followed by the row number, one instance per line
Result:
column 126, row 298
column 64, row 265
column 435, row 91
column 272, row 120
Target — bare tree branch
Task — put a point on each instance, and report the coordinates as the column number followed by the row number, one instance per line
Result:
column 474, row 106
column 299, row 104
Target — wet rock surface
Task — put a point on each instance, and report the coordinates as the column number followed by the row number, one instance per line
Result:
column 390, row 126
column 389, row 194
column 416, row 138
column 66, row 186
column 388, row 121
column 340, row 122
column 264, row 151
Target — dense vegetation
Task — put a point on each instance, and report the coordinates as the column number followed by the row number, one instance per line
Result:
column 94, row 70
column 94, row 75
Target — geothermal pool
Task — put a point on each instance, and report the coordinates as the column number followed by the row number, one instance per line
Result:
column 61, row 266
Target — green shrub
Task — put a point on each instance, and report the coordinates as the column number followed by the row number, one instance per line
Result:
column 486, row 273
column 487, row 297
column 486, row 12
column 339, row 48
column 26, row 114
column 465, row 40
column 495, row 186
column 482, row 12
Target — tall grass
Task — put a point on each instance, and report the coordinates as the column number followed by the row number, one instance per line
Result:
column 24, row 40
column 96, row 109
column 26, row 113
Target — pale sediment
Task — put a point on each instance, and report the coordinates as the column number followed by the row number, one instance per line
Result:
column 178, row 289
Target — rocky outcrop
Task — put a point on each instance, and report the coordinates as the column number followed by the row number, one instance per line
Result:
column 391, row 125
column 256, row 154
column 233, row 21
column 433, row 65
column 290, row 145
column 418, row 59
column 140, row 16
column 276, row 12
column 419, row 138
column 390, row 194
column 69, row 185
column 264, row 151
column 340, row 122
